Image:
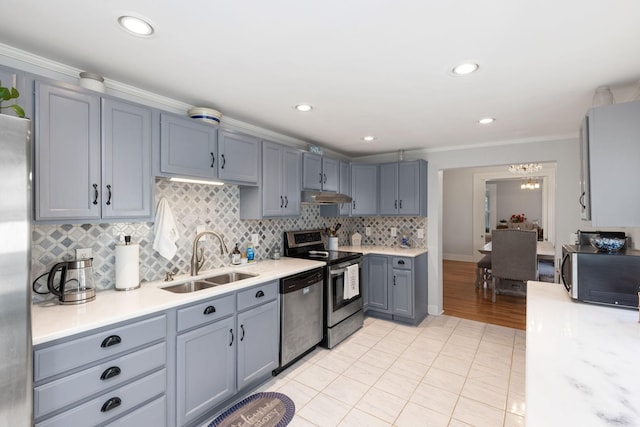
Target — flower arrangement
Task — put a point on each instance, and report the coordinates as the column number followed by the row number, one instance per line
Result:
column 518, row 218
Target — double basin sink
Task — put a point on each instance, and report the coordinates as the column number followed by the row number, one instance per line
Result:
column 208, row 282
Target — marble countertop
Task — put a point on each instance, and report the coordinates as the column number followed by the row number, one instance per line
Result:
column 51, row 321
column 384, row 250
column 583, row 361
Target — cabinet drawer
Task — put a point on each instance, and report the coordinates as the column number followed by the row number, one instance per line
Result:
column 258, row 295
column 205, row 312
column 65, row 391
column 402, row 262
column 98, row 410
column 152, row 414
column 62, row 357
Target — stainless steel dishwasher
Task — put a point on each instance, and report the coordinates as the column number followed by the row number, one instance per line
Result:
column 301, row 305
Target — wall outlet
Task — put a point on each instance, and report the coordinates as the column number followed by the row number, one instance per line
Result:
column 367, row 231
column 394, row 232
column 420, row 233
column 255, row 239
column 200, row 229
column 84, row 253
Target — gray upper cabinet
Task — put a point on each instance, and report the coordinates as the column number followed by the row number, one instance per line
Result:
column 188, row 147
column 92, row 163
column 614, row 151
column 319, row 173
column 342, row 209
column 279, row 191
column 126, row 160
column 403, row 188
column 364, row 189
column 238, row 157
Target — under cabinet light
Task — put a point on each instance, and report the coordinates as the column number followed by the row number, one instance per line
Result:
column 195, row 181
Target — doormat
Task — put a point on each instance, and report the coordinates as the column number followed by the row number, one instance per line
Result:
column 267, row 409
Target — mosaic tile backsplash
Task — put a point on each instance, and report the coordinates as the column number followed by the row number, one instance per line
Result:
column 193, row 205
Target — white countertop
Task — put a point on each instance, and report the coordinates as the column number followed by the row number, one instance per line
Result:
column 384, row 250
column 583, row 361
column 50, row 321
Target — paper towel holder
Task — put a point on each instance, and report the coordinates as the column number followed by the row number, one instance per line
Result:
column 127, row 266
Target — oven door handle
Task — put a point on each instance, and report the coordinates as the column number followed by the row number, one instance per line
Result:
column 338, row 271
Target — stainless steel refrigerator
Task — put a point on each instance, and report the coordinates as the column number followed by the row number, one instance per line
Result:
column 15, row 264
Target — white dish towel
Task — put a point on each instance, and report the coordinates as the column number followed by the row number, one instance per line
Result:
column 166, row 232
column 351, row 282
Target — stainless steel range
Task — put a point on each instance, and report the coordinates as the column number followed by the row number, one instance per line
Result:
column 343, row 314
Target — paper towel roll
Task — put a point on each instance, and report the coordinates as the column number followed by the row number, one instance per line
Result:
column 127, row 267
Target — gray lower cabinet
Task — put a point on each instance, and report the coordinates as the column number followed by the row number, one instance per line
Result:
column 99, row 377
column 92, row 156
column 279, row 192
column 188, row 147
column 612, row 135
column 223, row 346
column 205, row 357
column 364, row 189
column 258, row 334
column 403, row 188
column 396, row 287
column 239, row 156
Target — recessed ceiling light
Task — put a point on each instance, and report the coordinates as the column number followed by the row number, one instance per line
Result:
column 368, row 138
column 464, row 69
column 304, row 107
column 486, row 120
column 135, row 25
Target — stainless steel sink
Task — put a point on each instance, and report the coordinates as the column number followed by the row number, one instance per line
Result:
column 194, row 286
column 233, row 276
column 208, row 282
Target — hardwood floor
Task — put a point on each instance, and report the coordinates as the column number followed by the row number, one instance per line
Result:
column 462, row 299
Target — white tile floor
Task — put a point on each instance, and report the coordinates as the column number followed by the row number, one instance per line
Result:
column 445, row 372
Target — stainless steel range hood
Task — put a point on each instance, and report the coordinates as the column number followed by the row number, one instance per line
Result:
column 323, row 198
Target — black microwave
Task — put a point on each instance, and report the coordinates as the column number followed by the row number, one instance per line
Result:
column 601, row 277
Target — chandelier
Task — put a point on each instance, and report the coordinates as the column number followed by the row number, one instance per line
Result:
column 527, row 169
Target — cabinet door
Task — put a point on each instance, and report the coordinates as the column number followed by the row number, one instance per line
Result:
column 238, row 157
column 312, row 171
column 409, row 188
column 345, row 187
column 378, row 277
column 330, row 174
column 291, row 182
column 614, row 151
column 205, row 364
column 389, row 189
column 272, row 169
column 188, row 147
column 67, row 154
column 258, row 343
column 402, row 293
column 364, row 189
column 126, row 160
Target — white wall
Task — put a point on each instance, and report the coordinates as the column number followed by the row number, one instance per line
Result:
column 512, row 200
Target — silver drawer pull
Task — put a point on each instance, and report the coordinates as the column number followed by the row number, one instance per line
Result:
column 110, row 404
column 111, row 340
column 111, row 372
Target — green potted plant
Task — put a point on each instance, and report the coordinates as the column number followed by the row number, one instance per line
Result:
column 7, row 94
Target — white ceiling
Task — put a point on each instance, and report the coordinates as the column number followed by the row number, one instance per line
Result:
column 369, row 67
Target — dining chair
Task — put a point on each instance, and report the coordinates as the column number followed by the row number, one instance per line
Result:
column 483, row 273
column 513, row 261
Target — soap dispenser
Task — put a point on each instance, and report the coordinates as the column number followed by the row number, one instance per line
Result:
column 235, row 256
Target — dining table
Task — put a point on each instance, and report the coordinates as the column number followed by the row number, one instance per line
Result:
column 544, row 249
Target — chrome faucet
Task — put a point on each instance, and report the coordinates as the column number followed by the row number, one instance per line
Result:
column 198, row 260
